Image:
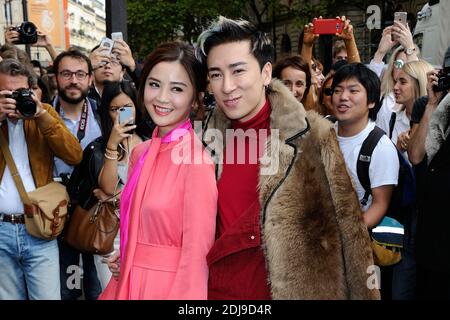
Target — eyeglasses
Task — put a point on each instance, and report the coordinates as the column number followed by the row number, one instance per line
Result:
column 67, row 75
column 399, row 63
column 112, row 62
column 117, row 108
column 327, row 91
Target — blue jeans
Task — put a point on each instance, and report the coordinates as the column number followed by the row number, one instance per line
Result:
column 29, row 267
column 72, row 288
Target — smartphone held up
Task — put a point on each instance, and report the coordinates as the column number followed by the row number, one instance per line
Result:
column 126, row 116
column 402, row 18
column 327, row 26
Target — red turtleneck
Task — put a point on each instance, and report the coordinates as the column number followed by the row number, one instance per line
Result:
column 238, row 185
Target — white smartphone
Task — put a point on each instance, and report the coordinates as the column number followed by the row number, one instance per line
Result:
column 125, row 115
column 116, row 36
column 107, row 45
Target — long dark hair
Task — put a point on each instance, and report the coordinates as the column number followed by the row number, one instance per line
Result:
column 111, row 90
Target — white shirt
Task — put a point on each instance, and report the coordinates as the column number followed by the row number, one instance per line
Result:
column 10, row 202
column 384, row 166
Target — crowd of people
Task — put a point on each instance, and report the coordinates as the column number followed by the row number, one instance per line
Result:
column 239, row 177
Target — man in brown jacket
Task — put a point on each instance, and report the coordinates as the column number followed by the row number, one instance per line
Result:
column 30, row 266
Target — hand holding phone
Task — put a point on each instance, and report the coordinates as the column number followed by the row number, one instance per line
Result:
column 126, row 117
column 116, row 36
column 106, row 45
column 328, row 26
column 402, row 18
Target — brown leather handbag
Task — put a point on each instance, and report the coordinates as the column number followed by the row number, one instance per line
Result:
column 93, row 231
column 45, row 208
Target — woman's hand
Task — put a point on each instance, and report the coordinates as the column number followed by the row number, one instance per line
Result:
column 402, row 35
column 308, row 34
column 119, row 133
column 347, row 30
column 113, row 262
column 402, row 141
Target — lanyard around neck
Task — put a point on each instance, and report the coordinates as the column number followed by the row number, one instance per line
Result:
column 82, row 124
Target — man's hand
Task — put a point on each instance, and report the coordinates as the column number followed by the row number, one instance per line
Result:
column 43, row 40
column 11, row 36
column 347, row 31
column 7, row 105
column 123, row 52
column 39, row 108
column 99, row 57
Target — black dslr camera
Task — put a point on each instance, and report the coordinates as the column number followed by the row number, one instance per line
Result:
column 444, row 75
column 27, row 33
column 24, row 102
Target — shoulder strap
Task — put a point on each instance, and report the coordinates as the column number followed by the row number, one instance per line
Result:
column 392, row 123
column 12, row 167
column 364, row 158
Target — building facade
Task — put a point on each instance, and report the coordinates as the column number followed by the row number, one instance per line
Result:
column 87, row 23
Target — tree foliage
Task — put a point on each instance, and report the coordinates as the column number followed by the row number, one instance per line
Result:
column 151, row 22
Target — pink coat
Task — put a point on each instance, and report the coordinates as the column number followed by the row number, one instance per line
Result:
column 171, row 223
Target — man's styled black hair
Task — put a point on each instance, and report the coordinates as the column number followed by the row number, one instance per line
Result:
column 368, row 79
column 225, row 30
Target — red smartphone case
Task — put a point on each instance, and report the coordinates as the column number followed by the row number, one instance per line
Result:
column 328, row 26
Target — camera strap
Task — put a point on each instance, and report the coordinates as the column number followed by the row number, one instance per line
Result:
column 82, row 124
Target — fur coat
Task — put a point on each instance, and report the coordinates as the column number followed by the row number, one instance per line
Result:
column 315, row 242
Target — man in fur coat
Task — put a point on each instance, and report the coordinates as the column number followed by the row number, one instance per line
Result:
column 289, row 223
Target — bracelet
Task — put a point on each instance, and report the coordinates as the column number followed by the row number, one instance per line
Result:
column 111, row 158
column 111, row 150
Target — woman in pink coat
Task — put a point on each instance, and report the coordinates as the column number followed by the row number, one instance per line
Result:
column 168, row 206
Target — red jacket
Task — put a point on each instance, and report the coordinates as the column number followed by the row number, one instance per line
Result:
column 236, row 262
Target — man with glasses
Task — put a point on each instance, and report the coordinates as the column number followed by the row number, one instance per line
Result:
column 74, row 76
column 111, row 67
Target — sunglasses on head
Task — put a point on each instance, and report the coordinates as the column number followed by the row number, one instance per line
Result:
column 399, row 63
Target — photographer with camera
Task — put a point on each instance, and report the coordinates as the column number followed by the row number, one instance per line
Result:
column 35, row 134
column 27, row 33
column 429, row 151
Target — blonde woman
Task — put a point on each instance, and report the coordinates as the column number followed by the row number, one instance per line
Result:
column 410, row 83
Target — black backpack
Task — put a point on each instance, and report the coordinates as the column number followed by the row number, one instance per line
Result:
column 404, row 195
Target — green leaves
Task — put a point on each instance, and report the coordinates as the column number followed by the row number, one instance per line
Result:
column 151, row 22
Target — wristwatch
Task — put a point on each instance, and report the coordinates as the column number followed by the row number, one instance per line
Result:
column 410, row 51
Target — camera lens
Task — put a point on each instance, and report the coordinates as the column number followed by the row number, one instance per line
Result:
column 25, row 103
column 29, row 28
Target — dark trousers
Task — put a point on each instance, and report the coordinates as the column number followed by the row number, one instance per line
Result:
column 404, row 273
column 69, row 260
